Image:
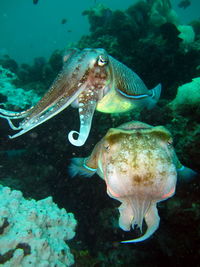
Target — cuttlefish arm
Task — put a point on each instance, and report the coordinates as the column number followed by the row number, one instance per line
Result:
column 65, row 89
column 10, row 115
column 152, row 220
column 47, row 101
column 31, row 122
column 87, row 105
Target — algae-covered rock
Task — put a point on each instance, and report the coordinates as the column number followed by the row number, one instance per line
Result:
column 16, row 97
column 188, row 95
column 187, row 34
column 161, row 12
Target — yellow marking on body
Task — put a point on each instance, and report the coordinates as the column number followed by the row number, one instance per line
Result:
column 112, row 102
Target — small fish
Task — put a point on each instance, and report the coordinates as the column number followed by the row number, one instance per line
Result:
column 139, row 166
column 63, row 21
column 35, row 2
column 184, row 4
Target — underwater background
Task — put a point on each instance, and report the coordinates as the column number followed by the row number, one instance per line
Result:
column 160, row 41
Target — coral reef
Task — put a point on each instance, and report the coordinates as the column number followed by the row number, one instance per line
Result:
column 187, row 34
column 188, row 95
column 33, row 233
column 17, row 97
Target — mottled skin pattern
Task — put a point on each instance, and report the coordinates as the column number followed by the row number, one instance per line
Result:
column 90, row 79
column 139, row 166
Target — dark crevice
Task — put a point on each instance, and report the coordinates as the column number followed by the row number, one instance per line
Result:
column 9, row 254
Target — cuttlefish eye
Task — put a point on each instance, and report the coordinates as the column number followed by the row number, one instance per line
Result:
column 102, row 60
column 106, row 146
column 170, row 142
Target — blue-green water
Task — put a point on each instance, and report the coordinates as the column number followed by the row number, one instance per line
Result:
column 29, row 30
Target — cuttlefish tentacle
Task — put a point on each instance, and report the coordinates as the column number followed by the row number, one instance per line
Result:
column 10, row 115
column 152, row 220
column 87, row 105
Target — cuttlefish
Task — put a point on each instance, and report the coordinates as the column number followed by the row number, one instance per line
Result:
column 90, row 80
column 139, row 166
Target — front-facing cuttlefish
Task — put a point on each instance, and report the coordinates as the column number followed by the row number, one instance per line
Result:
column 139, row 166
column 91, row 79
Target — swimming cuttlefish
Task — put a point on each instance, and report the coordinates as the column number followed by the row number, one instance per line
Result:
column 139, row 166
column 91, row 79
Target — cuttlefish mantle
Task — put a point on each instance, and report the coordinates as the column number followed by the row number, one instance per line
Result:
column 90, row 79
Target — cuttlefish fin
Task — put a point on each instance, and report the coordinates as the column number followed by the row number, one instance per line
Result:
column 185, row 174
column 69, row 53
column 87, row 105
column 85, row 166
column 155, row 95
column 80, row 167
column 152, row 220
column 156, row 91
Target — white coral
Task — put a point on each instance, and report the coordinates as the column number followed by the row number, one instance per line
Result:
column 34, row 233
column 188, row 95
